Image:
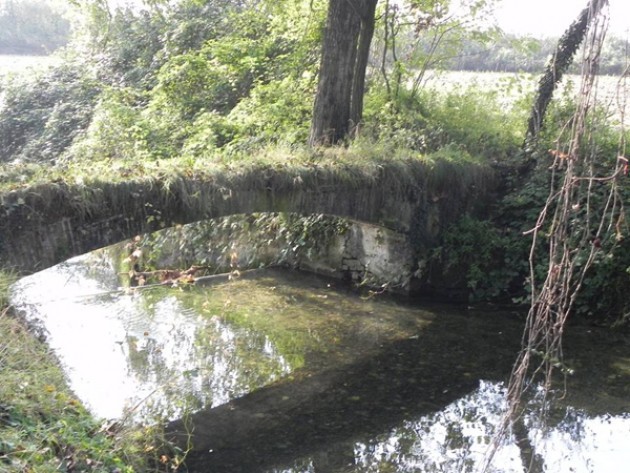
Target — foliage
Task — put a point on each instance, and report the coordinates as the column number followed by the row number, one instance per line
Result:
column 223, row 70
column 493, row 253
column 427, row 34
column 469, row 118
column 213, row 78
column 245, row 79
column 274, row 112
column 604, row 297
column 242, row 241
column 117, row 129
column 32, row 27
column 510, row 53
column 197, row 77
column 40, row 116
column 507, row 53
column 193, row 22
column 132, row 51
column 482, row 257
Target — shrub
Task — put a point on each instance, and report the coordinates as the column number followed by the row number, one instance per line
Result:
column 471, row 119
column 117, row 129
column 482, row 257
column 42, row 115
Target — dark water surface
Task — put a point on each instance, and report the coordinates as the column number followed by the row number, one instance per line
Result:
column 287, row 373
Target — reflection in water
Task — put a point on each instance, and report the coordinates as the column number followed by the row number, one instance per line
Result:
column 141, row 352
column 585, row 444
column 290, row 375
column 454, row 439
column 457, row 438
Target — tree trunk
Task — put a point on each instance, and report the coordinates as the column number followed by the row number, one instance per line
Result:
column 339, row 99
column 368, row 10
column 558, row 65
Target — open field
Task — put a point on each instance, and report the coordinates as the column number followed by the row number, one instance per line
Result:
column 15, row 63
column 612, row 92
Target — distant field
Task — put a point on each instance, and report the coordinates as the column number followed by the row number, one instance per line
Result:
column 10, row 63
column 511, row 87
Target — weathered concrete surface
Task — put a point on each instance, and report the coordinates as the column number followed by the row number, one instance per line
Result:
column 45, row 225
column 358, row 252
column 366, row 254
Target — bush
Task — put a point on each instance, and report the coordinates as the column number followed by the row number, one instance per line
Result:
column 470, row 119
column 117, row 129
column 279, row 111
column 42, row 115
column 476, row 252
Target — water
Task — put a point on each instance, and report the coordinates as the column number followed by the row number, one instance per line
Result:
column 288, row 373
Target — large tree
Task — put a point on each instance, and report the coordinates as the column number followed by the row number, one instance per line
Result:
column 339, row 101
column 346, row 46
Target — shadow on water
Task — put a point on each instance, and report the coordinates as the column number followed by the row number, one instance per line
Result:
column 314, row 411
column 298, row 376
column 599, row 362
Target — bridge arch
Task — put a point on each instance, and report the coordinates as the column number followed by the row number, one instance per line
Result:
column 43, row 225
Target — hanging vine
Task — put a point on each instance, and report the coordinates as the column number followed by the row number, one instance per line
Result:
column 581, row 219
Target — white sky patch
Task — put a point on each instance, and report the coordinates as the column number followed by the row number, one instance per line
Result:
column 552, row 17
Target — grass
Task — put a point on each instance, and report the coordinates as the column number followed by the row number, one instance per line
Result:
column 511, row 88
column 43, row 427
column 362, row 158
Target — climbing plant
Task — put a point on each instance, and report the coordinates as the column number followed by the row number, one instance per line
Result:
column 581, row 218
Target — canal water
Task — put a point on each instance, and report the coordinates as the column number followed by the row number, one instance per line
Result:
column 288, row 372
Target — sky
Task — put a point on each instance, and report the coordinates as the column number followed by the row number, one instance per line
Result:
column 526, row 17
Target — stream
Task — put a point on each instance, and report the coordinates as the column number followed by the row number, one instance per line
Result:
column 282, row 371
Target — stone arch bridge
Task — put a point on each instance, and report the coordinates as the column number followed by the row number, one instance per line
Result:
column 45, row 224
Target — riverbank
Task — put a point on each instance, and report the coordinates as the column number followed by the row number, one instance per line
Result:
column 43, row 427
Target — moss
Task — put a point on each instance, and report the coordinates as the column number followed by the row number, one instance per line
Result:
column 86, row 188
column 345, row 163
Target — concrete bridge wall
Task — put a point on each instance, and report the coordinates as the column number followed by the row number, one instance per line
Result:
column 44, row 225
